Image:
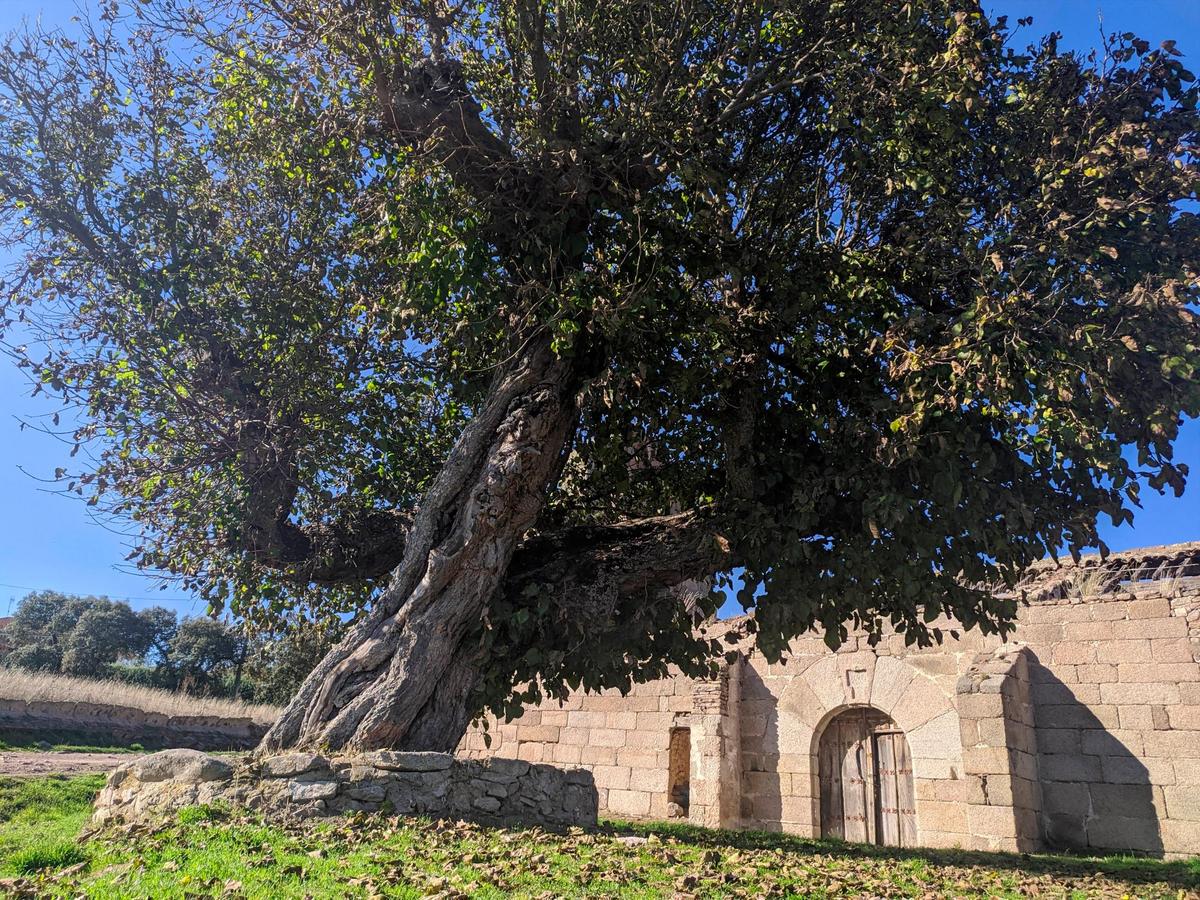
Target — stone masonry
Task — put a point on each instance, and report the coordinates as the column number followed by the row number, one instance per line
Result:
column 301, row 785
column 124, row 724
column 1080, row 730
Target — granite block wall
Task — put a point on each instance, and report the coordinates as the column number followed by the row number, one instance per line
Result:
column 1080, row 729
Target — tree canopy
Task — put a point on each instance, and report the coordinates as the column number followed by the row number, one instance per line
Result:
column 516, row 316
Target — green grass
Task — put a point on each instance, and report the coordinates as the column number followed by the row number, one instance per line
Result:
column 211, row 851
column 42, row 740
column 32, row 739
column 43, row 857
column 205, row 812
column 39, row 817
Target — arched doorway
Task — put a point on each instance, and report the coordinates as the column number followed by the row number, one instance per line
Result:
column 866, row 780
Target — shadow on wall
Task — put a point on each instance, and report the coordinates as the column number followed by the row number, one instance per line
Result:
column 1096, row 793
column 763, row 784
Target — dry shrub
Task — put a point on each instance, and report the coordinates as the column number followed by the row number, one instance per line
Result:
column 17, row 684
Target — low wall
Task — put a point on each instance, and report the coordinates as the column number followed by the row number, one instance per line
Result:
column 301, row 785
column 111, row 724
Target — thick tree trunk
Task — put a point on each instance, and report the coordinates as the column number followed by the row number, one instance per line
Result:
column 401, row 676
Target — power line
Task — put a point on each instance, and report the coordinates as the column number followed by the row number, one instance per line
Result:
column 25, row 587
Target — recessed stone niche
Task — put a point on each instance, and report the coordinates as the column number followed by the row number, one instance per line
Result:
column 300, row 785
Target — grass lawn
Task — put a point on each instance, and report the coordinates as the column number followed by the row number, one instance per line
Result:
column 208, row 853
column 40, row 817
column 78, row 742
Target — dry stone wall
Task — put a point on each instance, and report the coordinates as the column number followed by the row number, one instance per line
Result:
column 493, row 791
column 110, row 724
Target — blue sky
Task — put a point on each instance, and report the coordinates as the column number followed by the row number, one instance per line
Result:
column 47, row 541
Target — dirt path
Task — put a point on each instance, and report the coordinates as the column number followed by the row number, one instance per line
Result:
column 31, row 764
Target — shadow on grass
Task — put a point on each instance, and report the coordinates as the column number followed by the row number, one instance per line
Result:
column 18, row 740
column 1177, row 873
column 100, row 740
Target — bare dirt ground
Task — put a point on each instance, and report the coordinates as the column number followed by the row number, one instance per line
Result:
column 32, row 764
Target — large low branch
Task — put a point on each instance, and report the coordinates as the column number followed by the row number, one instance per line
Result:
column 589, row 566
column 358, row 549
column 629, row 584
column 634, row 556
column 612, row 585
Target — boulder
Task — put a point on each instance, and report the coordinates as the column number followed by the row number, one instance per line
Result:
column 498, row 768
column 183, row 766
column 313, row 790
column 487, row 804
column 288, row 765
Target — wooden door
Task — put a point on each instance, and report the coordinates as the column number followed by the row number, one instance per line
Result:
column 679, row 768
column 865, row 773
column 847, row 780
column 830, row 769
column 896, row 814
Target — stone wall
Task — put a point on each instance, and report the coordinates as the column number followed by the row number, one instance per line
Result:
column 624, row 741
column 493, row 791
column 110, row 724
column 996, row 721
column 1116, row 689
column 1086, row 723
column 786, row 705
column 716, row 760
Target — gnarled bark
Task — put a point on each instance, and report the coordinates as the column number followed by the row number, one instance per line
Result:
column 375, row 688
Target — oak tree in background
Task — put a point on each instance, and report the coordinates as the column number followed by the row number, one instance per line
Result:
column 278, row 665
column 55, row 632
column 204, row 651
column 500, row 322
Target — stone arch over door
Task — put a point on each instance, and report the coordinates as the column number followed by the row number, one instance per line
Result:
column 865, row 779
column 805, row 699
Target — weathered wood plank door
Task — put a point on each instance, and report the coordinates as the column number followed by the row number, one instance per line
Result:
column 846, row 770
column 896, row 810
column 830, row 770
column 888, row 791
column 865, row 774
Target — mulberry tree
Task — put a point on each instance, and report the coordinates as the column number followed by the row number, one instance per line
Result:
column 504, row 325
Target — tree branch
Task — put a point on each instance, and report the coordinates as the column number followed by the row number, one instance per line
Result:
column 429, row 102
column 360, row 547
column 636, row 556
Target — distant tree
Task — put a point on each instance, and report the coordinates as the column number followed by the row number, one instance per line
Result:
column 45, row 617
column 105, row 633
column 34, row 658
column 161, row 626
column 278, row 665
column 53, row 631
column 203, row 651
column 45, row 620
